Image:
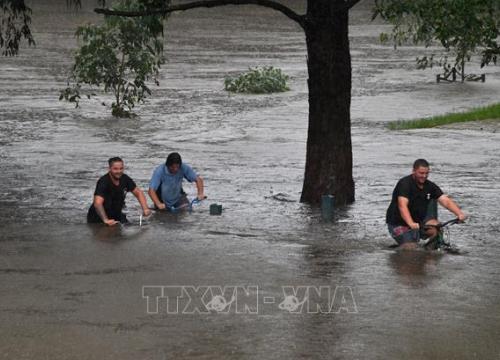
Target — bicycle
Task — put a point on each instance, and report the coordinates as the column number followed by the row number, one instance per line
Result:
column 441, row 241
column 189, row 205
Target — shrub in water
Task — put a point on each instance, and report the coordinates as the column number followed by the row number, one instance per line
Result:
column 263, row 80
column 121, row 55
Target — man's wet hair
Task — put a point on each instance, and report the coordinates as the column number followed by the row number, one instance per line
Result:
column 173, row 158
column 420, row 163
column 112, row 160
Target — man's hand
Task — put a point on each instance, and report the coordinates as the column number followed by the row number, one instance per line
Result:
column 142, row 200
column 161, row 206
column 200, row 187
column 453, row 207
column 111, row 222
column 405, row 213
column 414, row 226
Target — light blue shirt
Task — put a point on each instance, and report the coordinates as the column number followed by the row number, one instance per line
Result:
column 171, row 184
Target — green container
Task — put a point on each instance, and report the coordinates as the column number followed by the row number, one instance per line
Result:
column 215, row 209
column 327, row 207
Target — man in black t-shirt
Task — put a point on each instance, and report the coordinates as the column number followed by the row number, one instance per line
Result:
column 109, row 196
column 412, row 199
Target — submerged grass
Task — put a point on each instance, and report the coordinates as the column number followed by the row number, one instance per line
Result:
column 480, row 113
column 264, row 80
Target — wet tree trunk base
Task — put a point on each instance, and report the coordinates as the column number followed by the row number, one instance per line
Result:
column 329, row 149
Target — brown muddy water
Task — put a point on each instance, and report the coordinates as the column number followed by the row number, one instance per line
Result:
column 313, row 289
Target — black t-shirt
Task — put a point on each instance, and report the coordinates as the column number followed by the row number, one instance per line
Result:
column 114, row 196
column 419, row 200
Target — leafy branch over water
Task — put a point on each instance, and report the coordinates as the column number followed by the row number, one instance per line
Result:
column 121, row 56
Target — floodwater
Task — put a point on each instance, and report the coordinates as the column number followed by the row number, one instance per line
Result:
column 73, row 291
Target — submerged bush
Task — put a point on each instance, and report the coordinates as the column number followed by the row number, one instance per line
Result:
column 263, row 80
column 121, row 56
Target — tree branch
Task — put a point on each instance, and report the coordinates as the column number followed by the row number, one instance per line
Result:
column 350, row 3
column 300, row 19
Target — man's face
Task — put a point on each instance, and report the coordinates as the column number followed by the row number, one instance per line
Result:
column 421, row 174
column 116, row 169
column 173, row 168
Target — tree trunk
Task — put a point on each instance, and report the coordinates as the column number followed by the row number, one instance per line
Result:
column 329, row 150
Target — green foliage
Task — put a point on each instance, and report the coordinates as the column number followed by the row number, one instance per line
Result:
column 482, row 113
column 15, row 20
column 462, row 27
column 120, row 56
column 258, row 81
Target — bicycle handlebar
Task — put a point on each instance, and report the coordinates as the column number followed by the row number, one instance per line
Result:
column 444, row 224
column 188, row 205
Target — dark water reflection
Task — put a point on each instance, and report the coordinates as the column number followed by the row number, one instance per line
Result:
column 414, row 267
column 70, row 290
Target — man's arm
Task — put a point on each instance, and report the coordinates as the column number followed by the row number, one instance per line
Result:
column 200, row 188
column 156, row 200
column 154, row 184
column 99, row 208
column 142, row 200
column 405, row 212
column 452, row 206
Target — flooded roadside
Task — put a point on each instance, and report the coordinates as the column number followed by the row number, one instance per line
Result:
column 74, row 291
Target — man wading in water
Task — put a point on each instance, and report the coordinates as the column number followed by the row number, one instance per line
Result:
column 109, row 196
column 165, row 187
column 409, row 210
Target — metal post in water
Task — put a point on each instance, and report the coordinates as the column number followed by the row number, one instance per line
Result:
column 327, row 207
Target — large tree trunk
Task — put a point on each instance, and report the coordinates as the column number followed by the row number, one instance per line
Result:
column 329, row 150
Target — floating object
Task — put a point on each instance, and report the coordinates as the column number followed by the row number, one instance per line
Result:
column 453, row 75
column 280, row 197
column 327, row 207
column 215, row 209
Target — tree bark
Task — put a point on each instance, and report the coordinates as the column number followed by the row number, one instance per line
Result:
column 329, row 149
column 285, row 10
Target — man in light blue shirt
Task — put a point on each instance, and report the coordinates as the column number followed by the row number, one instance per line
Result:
column 165, row 187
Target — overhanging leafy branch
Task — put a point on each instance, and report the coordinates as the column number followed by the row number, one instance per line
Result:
column 300, row 19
